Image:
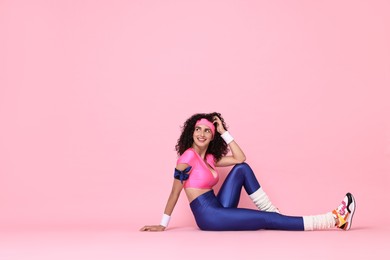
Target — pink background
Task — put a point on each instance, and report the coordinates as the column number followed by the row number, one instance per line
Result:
column 93, row 94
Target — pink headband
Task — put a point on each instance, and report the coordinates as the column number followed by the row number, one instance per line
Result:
column 204, row 121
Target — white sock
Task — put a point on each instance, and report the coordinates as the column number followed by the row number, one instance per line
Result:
column 262, row 201
column 323, row 221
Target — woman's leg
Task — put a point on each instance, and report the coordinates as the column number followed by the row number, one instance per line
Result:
column 242, row 176
column 211, row 215
column 225, row 219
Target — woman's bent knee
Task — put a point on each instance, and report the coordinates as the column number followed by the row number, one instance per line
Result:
column 242, row 167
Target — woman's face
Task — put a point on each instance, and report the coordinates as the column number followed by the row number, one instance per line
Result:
column 202, row 136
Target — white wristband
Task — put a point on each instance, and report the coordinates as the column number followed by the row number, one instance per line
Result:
column 165, row 220
column 227, row 137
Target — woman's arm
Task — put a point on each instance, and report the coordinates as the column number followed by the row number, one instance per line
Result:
column 173, row 197
column 237, row 156
column 171, row 203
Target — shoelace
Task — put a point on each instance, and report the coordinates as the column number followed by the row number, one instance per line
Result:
column 342, row 208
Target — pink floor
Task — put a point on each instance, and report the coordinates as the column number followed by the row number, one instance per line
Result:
column 363, row 242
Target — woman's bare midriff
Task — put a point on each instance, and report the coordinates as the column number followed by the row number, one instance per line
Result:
column 193, row 193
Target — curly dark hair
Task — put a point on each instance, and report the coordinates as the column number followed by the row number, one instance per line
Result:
column 217, row 146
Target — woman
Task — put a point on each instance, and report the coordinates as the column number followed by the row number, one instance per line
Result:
column 202, row 146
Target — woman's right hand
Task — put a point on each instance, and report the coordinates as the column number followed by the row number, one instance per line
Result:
column 153, row 228
column 218, row 122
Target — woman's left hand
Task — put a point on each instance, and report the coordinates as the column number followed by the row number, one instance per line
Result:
column 153, row 228
column 220, row 128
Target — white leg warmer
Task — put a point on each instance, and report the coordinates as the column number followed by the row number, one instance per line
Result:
column 262, row 201
column 324, row 221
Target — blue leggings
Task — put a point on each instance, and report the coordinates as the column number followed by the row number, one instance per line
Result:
column 220, row 213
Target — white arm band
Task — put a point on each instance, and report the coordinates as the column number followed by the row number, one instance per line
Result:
column 165, row 220
column 227, row 137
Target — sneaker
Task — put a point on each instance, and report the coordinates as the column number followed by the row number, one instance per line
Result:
column 344, row 212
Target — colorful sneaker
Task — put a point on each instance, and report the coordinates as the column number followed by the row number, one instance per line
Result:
column 344, row 212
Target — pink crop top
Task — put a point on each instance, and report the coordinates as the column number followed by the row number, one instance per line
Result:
column 200, row 176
